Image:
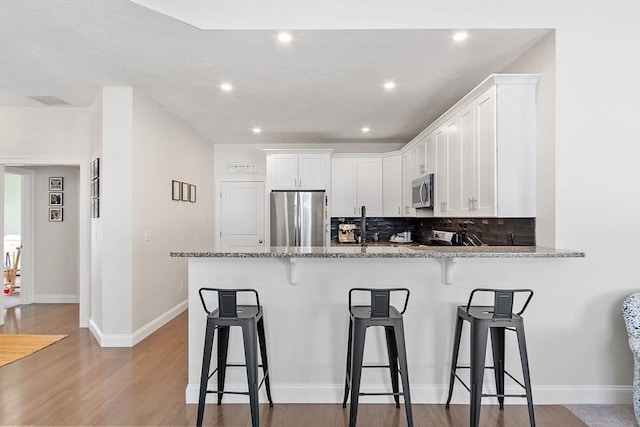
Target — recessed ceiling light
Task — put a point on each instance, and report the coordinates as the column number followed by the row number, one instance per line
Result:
column 284, row 37
column 460, row 36
column 365, row 129
column 226, row 87
column 389, row 85
column 257, row 130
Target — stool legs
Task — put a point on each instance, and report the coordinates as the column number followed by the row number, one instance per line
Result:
column 478, row 350
column 497, row 348
column 265, row 362
column 223, row 347
column 522, row 346
column 357, row 355
column 402, row 358
column 347, row 378
column 454, row 358
column 392, row 351
column 251, row 358
column 204, row 376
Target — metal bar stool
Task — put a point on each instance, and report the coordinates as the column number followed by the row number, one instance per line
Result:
column 497, row 318
column 249, row 318
column 379, row 313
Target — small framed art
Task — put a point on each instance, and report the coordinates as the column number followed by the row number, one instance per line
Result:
column 95, row 208
column 184, row 192
column 55, row 199
column 55, row 183
column 55, row 214
column 95, row 169
column 176, row 187
column 192, row 193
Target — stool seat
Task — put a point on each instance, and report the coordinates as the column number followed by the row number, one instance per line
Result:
column 494, row 320
column 250, row 319
column 381, row 314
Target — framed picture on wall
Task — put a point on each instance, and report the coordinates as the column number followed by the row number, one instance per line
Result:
column 184, row 192
column 55, row 183
column 55, row 199
column 176, row 187
column 55, row 214
column 95, row 168
column 95, row 188
column 192, row 193
column 95, row 208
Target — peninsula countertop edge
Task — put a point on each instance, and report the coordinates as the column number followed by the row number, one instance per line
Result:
column 382, row 252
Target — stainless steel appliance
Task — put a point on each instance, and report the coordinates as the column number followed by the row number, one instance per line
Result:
column 297, row 218
column 422, row 192
column 446, row 238
column 346, row 233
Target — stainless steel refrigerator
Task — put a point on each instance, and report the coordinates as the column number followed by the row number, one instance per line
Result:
column 297, row 218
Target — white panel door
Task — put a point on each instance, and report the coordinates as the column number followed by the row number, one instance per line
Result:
column 440, row 177
column 312, row 171
column 392, row 186
column 369, row 181
column 343, row 187
column 284, row 175
column 242, row 213
column 485, row 199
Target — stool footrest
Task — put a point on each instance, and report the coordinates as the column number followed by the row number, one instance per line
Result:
column 504, row 395
column 381, row 394
column 376, row 366
column 494, row 395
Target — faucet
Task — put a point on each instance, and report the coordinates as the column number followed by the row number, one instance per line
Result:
column 363, row 226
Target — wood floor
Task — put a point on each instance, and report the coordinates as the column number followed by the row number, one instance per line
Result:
column 75, row 382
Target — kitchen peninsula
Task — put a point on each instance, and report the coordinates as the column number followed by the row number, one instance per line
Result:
column 304, row 294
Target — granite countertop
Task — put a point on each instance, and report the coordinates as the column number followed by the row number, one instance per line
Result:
column 383, row 251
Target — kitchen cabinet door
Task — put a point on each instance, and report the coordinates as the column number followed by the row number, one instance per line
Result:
column 441, row 180
column 454, row 166
column 369, row 185
column 284, row 171
column 430, row 153
column 312, row 171
column 468, row 171
column 392, row 188
column 484, row 197
column 407, row 177
column 421, row 164
column 343, row 187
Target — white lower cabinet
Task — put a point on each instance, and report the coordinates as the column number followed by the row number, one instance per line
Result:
column 356, row 182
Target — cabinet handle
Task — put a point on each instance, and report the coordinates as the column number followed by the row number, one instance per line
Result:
column 300, row 183
column 399, row 210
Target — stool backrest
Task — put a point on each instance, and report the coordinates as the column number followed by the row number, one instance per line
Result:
column 227, row 300
column 381, row 300
column 503, row 301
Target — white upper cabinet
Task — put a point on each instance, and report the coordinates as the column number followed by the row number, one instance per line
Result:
column 408, row 168
column 392, row 186
column 485, row 151
column 356, row 182
column 298, row 170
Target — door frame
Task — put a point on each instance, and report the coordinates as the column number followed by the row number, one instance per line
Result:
column 27, row 227
column 84, row 230
column 217, row 226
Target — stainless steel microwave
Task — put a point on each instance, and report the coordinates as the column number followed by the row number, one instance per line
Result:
column 422, row 192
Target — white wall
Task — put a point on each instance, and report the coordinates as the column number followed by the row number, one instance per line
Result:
column 165, row 149
column 55, row 243
column 95, row 150
column 41, row 133
column 541, row 59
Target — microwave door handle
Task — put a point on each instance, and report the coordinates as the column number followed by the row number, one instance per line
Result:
column 424, row 194
column 427, row 194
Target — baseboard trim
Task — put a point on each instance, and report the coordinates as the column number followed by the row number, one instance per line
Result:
column 56, row 299
column 130, row 340
column 425, row 394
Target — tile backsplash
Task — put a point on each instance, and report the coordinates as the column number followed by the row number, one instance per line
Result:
column 492, row 231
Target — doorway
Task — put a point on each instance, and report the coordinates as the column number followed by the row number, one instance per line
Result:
column 13, row 195
column 241, row 214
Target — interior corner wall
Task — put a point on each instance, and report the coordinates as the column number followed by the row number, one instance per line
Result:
column 165, row 149
column 116, row 212
column 55, row 252
column 541, row 59
column 95, row 150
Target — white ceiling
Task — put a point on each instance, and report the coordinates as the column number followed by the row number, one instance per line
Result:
column 323, row 87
